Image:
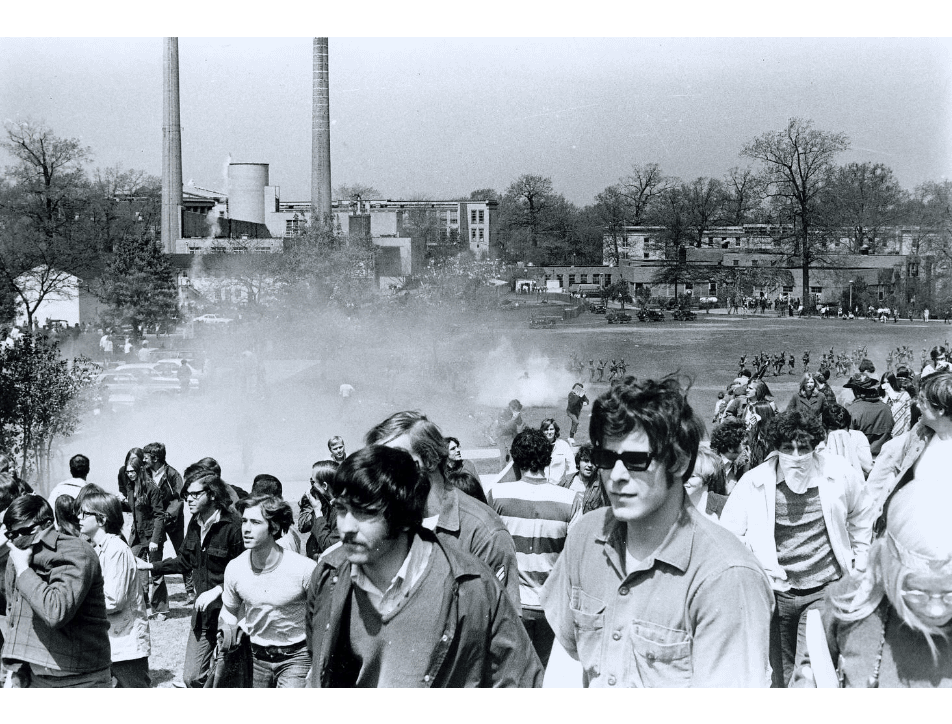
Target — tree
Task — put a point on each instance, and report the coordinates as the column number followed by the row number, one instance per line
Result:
column 356, row 190
column 527, row 198
column 706, row 200
column 864, row 199
column 139, row 285
column 642, row 188
column 484, row 195
column 43, row 213
column 613, row 210
column 743, row 195
column 797, row 164
column 673, row 212
column 123, row 204
column 42, row 397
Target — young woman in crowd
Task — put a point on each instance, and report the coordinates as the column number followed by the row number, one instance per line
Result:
column 562, row 464
column 100, row 522
column 808, row 400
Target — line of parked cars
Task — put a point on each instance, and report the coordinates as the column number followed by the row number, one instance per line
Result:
column 130, row 384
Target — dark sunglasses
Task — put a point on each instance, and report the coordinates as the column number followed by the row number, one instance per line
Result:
column 633, row 461
column 19, row 532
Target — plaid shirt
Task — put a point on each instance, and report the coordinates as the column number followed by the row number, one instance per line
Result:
column 56, row 610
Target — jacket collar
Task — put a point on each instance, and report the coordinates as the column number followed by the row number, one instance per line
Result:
column 675, row 549
column 449, row 511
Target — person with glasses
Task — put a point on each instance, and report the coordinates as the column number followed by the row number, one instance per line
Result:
column 808, row 519
column 100, row 522
column 57, row 631
column 212, row 540
column 648, row 592
column 923, row 453
column 892, row 626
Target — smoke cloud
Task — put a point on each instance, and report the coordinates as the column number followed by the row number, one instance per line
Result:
column 533, row 379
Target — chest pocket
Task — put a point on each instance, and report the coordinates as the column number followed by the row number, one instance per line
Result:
column 588, row 618
column 661, row 657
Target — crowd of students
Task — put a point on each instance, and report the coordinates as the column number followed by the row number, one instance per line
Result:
column 642, row 558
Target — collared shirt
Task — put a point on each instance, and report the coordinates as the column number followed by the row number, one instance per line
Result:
column 694, row 613
column 205, row 526
column 413, row 567
column 69, row 487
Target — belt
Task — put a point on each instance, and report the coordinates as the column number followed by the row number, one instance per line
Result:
column 272, row 653
column 806, row 591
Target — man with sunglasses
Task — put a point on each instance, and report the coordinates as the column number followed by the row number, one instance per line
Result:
column 647, row 592
column 57, row 631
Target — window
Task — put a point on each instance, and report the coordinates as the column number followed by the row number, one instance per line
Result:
column 481, row 212
column 473, row 234
column 736, row 262
column 816, row 290
column 608, row 279
column 639, row 286
column 647, row 254
column 755, row 262
column 559, row 277
column 583, row 279
column 913, row 269
column 472, row 216
column 596, row 278
column 454, row 218
column 882, row 295
column 788, row 290
column 571, row 280
column 481, row 234
column 293, row 227
column 688, row 287
column 736, row 242
column 712, row 289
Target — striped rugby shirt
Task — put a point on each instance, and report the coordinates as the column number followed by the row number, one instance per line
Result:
column 538, row 514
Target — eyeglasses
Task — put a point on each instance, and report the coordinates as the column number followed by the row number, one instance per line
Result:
column 633, row 461
column 921, row 598
column 195, row 493
column 85, row 513
column 15, row 533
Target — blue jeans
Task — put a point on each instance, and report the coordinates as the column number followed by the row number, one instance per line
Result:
column 788, row 631
column 281, row 671
column 199, row 648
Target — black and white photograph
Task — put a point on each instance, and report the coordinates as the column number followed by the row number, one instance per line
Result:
column 475, row 354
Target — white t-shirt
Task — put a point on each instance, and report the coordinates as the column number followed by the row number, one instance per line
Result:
column 69, row 487
column 271, row 603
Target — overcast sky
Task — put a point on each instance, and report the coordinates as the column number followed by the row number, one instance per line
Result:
column 445, row 116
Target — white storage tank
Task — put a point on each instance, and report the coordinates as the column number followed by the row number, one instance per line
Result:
column 246, row 184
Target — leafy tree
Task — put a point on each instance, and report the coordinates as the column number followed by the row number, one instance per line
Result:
column 743, row 196
column 526, row 199
column 484, row 195
column 139, row 285
column 706, row 200
column 797, row 165
column 864, row 199
column 42, row 397
column 123, row 204
column 43, row 204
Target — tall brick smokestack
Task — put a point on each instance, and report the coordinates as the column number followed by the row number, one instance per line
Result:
column 171, row 150
column 321, row 136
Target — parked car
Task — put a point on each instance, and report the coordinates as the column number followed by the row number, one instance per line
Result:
column 157, row 377
column 683, row 314
column 709, row 301
column 651, row 314
column 618, row 318
column 213, row 319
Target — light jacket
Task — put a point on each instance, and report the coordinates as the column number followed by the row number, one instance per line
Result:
column 484, row 642
column 848, row 511
column 894, row 466
column 125, row 601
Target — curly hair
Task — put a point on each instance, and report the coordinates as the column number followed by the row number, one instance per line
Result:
column 836, row 417
column 276, row 512
column 728, row 435
column 794, row 425
column 531, row 450
column 661, row 409
column 584, row 453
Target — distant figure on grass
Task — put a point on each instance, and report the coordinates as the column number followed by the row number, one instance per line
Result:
column 577, row 398
column 538, row 515
column 368, row 596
